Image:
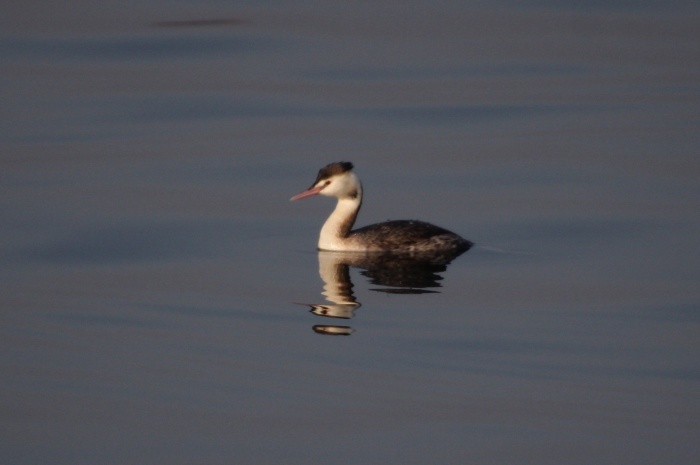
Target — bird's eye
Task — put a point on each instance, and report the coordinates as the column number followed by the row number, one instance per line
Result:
column 326, row 183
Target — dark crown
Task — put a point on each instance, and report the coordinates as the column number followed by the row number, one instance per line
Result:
column 333, row 169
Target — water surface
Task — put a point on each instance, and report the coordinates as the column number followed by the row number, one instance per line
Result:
column 152, row 267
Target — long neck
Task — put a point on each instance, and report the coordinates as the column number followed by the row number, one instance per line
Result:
column 338, row 226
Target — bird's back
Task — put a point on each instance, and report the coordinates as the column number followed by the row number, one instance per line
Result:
column 408, row 235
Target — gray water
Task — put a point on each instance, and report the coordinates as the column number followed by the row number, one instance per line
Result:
column 152, row 268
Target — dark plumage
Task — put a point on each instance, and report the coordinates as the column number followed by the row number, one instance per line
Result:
column 411, row 235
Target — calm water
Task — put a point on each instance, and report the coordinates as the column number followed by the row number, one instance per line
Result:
column 152, row 269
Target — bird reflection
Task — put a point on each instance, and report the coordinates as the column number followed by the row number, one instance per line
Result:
column 398, row 273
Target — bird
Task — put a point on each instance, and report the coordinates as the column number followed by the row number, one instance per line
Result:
column 340, row 181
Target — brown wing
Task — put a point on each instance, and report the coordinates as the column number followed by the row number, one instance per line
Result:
column 409, row 234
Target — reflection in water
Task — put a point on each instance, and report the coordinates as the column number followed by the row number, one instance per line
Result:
column 402, row 273
column 333, row 330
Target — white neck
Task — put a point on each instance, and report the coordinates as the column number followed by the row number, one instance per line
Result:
column 336, row 230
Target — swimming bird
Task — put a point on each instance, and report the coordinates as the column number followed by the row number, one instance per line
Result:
column 340, row 181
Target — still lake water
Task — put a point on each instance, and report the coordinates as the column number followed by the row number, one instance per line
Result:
column 152, row 267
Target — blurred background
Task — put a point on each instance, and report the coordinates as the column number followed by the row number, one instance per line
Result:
column 151, row 263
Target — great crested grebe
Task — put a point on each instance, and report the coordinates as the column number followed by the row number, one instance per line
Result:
column 339, row 181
